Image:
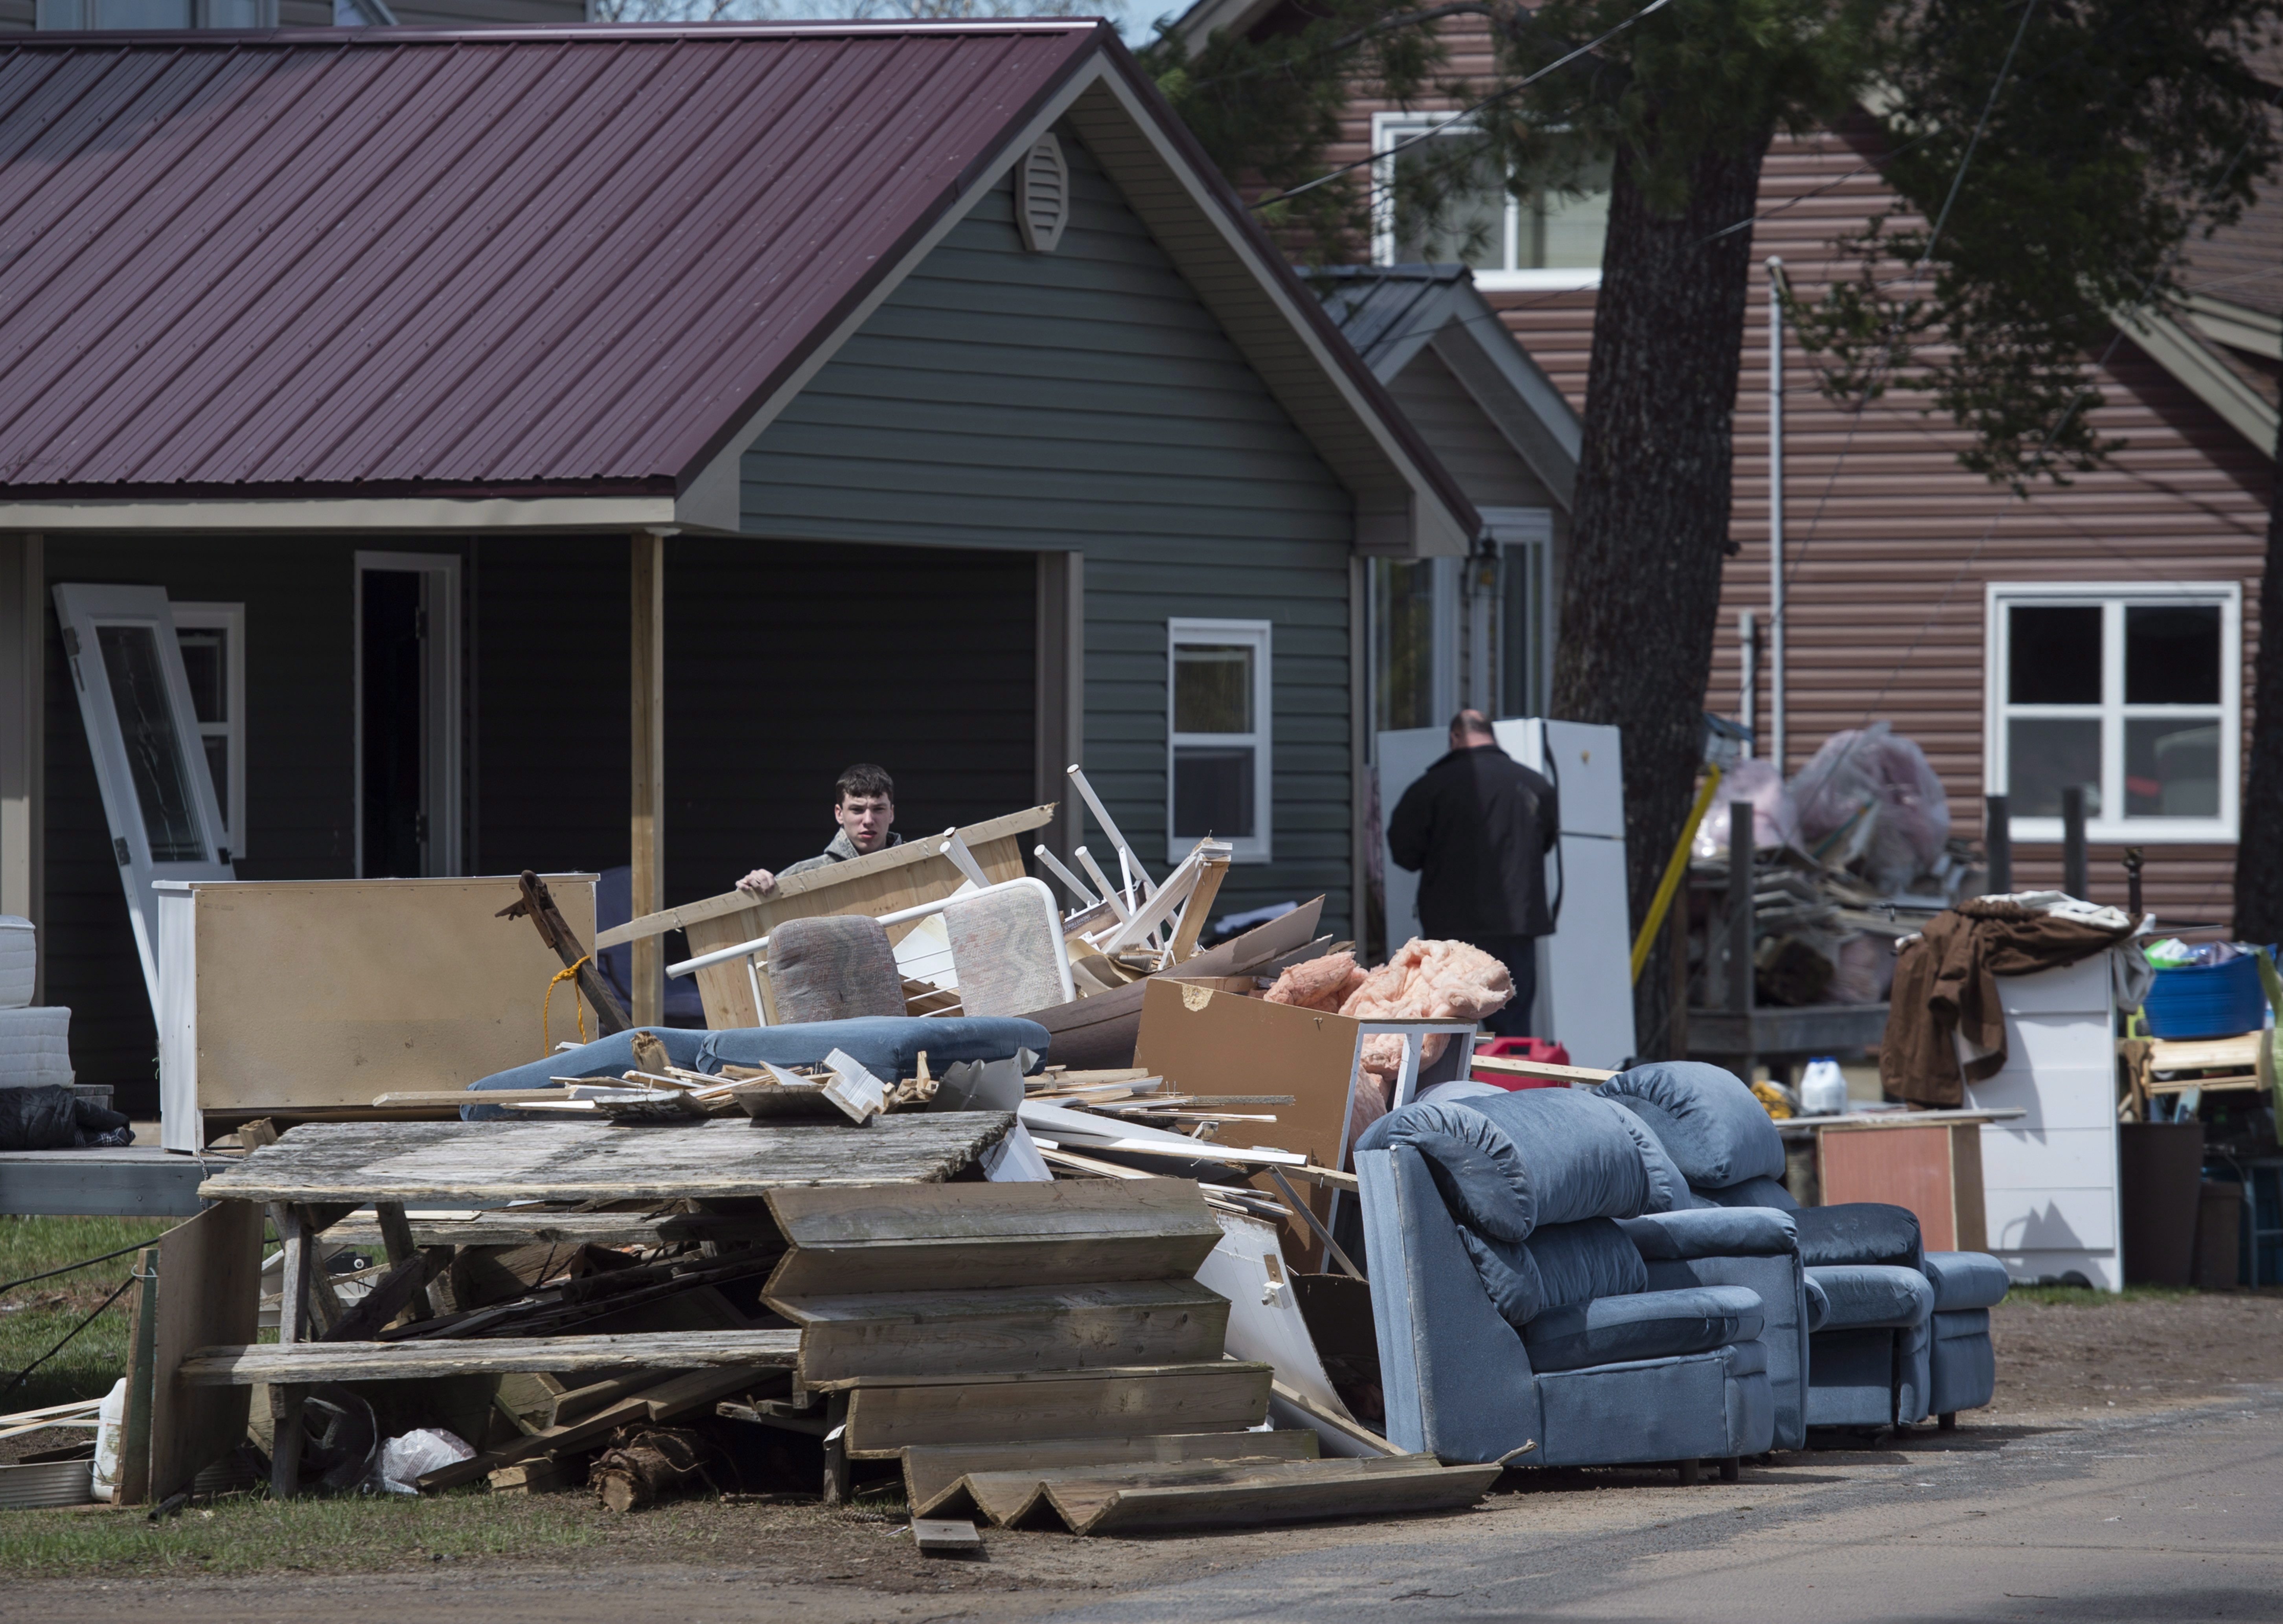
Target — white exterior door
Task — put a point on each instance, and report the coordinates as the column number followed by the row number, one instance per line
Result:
column 143, row 731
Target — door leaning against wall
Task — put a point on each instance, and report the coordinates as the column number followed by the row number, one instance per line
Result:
column 143, row 729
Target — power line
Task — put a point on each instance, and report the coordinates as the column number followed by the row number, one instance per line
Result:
column 1966, row 159
column 1461, row 116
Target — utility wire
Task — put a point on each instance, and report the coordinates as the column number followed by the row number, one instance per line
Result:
column 1980, row 124
column 72, row 1268
column 1461, row 117
column 19, row 1379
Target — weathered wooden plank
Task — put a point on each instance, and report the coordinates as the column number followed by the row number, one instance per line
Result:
column 514, row 1225
column 1224, row 1396
column 974, row 1236
column 694, row 1390
column 490, row 1163
column 1025, row 1328
column 1300, row 1492
column 933, row 1473
column 315, row 1362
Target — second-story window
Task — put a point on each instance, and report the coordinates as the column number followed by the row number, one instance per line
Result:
column 1440, row 199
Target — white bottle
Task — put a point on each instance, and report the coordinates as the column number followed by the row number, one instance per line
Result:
column 1823, row 1088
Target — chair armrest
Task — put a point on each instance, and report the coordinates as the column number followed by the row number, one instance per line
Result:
column 1965, row 1280
column 1712, row 1232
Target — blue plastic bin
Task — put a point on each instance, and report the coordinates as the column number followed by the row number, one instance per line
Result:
column 2206, row 1000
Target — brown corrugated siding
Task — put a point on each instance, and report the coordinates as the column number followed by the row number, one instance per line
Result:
column 1891, row 543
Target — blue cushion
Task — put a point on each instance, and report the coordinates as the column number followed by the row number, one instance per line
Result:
column 1858, row 1232
column 1539, row 1155
column 1714, row 1130
column 1560, row 1264
column 888, row 1046
column 1757, row 1191
column 1965, row 1280
column 1658, row 1324
column 1668, row 1191
column 1819, row 1303
column 1712, row 1232
column 1868, row 1294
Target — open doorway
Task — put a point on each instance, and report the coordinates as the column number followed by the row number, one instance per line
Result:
column 408, row 715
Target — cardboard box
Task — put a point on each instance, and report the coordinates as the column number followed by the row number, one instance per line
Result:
column 1205, row 1040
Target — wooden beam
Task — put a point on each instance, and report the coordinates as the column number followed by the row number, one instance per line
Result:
column 1025, row 1328
column 308, row 1362
column 647, row 696
column 1224, row 1396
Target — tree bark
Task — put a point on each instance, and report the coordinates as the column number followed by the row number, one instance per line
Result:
column 2259, row 849
column 1641, row 589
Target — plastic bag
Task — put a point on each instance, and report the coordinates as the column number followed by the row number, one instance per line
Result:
column 1871, row 800
column 110, row 1423
column 1775, row 817
column 403, row 1460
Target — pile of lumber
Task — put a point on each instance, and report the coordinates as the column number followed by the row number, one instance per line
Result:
column 1036, row 1352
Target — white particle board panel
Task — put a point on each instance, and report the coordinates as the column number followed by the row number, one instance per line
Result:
column 2059, row 1096
column 2048, row 1042
column 319, row 994
column 2079, row 989
column 2057, row 1159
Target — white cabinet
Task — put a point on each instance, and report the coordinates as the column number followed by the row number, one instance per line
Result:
column 2049, row 1179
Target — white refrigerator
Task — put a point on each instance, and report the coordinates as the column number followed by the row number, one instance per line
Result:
column 1584, row 968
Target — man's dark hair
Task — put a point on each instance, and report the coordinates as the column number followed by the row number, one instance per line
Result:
column 1470, row 721
column 862, row 779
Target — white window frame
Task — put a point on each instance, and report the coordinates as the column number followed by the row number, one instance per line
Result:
column 1389, row 131
column 1258, row 846
column 2114, row 597
column 1524, row 537
column 442, row 784
column 230, row 620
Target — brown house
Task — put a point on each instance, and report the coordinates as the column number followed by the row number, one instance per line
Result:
column 2100, row 633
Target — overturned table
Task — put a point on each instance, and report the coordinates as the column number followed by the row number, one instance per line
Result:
column 703, row 1182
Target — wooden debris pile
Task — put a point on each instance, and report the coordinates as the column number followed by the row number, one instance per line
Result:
column 1031, row 1350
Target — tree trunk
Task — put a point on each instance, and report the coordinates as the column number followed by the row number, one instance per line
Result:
column 2259, row 850
column 1641, row 589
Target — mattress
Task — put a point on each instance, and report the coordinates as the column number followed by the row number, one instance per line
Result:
column 34, row 1048
column 19, row 961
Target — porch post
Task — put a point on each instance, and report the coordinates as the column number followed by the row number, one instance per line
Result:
column 1060, row 722
column 647, row 688
column 23, row 669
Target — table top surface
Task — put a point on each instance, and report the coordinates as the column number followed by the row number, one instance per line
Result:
column 484, row 1163
column 1852, row 1120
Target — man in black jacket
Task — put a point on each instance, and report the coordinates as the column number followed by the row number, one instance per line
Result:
column 1476, row 827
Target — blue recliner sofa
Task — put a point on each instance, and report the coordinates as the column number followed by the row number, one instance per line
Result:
column 886, row 1046
column 1899, row 1332
column 1529, row 1309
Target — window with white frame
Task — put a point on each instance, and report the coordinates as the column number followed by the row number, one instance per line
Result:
column 2133, row 692
column 1217, row 736
column 212, row 639
column 1544, row 233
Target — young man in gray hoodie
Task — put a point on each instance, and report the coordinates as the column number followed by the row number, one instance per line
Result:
column 864, row 806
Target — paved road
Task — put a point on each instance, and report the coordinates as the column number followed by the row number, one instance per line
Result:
column 2149, row 1517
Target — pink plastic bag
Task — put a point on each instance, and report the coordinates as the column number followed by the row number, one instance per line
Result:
column 1870, row 801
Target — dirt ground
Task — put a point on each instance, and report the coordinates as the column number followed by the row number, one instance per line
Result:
column 2065, row 1368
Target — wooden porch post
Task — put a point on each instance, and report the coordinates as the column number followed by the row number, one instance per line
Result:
column 647, row 688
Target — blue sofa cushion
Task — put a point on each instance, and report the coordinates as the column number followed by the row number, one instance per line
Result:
column 1709, row 1123
column 1757, row 1191
column 1658, row 1324
column 886, row 1046
column 1862, row 1295
column 1858, row 1232
column 1712, row 1231
column 1668, row 1191
column 1965, row 1280
column 1539, row 1155
column 1559, row 1266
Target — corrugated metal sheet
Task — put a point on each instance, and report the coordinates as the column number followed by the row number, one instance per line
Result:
column 296, row 261
column 1890, row 543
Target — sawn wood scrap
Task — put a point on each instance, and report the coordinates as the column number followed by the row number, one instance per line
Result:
column 1028, row 1328
column 981, row 1236
column 1217, row 1494
column 1226, row 1395
column 933, row 1470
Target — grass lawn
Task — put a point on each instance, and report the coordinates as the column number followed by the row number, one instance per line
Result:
column 34, row 1317
column 245, row 1534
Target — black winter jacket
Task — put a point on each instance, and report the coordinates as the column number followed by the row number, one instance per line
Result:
column 1476, row 827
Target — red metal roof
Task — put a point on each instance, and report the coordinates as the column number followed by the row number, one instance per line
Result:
column 519, row 260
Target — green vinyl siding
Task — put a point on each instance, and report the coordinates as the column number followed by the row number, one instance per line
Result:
column 1085, row 399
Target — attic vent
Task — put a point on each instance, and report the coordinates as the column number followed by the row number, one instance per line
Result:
column 1042, row 195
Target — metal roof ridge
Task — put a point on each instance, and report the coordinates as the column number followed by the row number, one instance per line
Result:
column 561, row 33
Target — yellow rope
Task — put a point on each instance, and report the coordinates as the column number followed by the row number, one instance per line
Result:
column 569, row 973
column 1674, row 868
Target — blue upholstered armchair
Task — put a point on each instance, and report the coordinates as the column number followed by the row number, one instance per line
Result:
column 1523, row 1295
column 1899, row 1333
